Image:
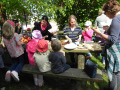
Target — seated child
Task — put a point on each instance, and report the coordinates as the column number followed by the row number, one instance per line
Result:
column 41, row 59
column 88, row 33
column 32, row 45
column 57, row 58
column 102, row 43
column 29, row 33
column 25, row 39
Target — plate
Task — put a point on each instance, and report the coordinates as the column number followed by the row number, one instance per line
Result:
column 70, row 46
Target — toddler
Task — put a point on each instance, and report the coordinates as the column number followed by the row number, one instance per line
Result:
column 87, row 34
column 29, row 32
column 15, row 49
column 57, row 58
column 41, row 59
column 25, row 39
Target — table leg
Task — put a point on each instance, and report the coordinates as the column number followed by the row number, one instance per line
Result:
column 81, row 61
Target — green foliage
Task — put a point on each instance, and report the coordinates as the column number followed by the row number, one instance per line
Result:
column 60, row 10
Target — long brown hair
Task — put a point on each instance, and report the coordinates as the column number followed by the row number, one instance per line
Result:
column 7, row 30
column 112, row 7
column 70, row 17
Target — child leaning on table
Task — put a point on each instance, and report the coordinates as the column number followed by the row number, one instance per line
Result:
column 88, row 33
column 41, row 59
column 15, row 49
column 57, row 58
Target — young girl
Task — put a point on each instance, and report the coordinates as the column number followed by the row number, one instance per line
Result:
column 32, row 45
column 41, row 59
column 87, row 34
column 57, row 58
column 13, row 44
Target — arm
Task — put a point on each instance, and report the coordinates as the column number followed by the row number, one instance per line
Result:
column 96, row 30
column 79, row 39
column 70, row 41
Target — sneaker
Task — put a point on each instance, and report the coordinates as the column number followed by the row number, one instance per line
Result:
column 15, row 76
column 7, row 76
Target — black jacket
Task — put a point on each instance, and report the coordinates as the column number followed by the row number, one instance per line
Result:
column 45, row 32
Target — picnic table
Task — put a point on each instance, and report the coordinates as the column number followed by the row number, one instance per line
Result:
column 82, row 49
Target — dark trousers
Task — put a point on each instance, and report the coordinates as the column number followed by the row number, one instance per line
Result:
column 17, row 64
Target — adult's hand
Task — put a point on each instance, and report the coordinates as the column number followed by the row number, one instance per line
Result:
column 70, row 41
column 44, row 37
column 96, row 30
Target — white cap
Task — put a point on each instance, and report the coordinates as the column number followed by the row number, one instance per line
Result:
column 105, row 24
column 88, row 23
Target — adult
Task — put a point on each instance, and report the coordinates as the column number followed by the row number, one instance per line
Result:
column 44, row 26
column 102, row 18
column 112, row 10
column 17, row 26
column 73, row 33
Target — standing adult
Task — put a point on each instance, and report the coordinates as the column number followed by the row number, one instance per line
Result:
column 17, row 26
column 112, row 10
column 102, row 18
column 72, row 33
column 44, row 26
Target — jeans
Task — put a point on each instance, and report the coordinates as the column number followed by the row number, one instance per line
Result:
column 115, row 83
column 17, row 64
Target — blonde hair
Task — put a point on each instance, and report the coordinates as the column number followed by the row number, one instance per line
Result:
column 70, row 17
column 7, row 30
column 112, row 7
column 56, row 45
column 100, row 12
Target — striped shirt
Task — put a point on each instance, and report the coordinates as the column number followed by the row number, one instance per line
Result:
column 73, row 35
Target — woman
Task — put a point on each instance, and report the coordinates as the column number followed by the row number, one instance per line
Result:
column 112, row 10
column 44, row 26
column 72, row 33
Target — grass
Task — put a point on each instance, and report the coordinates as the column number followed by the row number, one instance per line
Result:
column 27, row 82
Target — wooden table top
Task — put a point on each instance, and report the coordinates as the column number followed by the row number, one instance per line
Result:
column 84, row 48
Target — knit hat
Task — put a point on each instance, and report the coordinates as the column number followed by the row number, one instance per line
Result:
column 36, row 34
column 42, row 45
column 88, row 23
column 11, row 22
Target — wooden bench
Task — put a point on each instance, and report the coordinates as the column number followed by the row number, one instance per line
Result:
column 72, row 73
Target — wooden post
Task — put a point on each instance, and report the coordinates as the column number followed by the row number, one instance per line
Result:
column 81, row 61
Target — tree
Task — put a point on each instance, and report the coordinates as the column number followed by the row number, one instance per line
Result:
column 60, row 10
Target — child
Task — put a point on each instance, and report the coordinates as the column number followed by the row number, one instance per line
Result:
column 41, row 59
column 57, row 58
column 87, row 34
column 32, row 44
column 29, row 32
column 102, row 43
column 15, row 49
column 25, row 39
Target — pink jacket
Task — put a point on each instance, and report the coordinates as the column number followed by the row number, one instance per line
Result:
column 30, row 49
column 87, row 35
